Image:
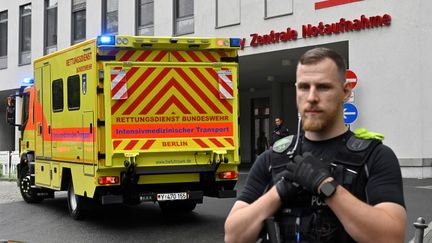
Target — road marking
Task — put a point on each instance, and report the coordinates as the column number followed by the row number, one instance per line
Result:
column 424, row 187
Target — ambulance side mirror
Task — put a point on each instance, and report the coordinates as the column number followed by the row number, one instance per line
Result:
column 10, row 110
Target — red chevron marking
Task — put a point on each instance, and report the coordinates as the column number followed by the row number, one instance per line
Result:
column 209, row 56
column 230, row 141
column 169, row 102
column 127, row 55
column 116, row 144
column 160, row 56
column 216, row 142
column 197, row 89
column 222, row 54
column 212, row 89
column 131, row 145
column 164, row 90
column 149, row 88
column 193, row 56
column 144, row 56
column 178, row 56
column 201, row 143
column 148, row 144
column 140, row 80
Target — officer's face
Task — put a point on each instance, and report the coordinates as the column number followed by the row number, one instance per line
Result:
column 320, row 96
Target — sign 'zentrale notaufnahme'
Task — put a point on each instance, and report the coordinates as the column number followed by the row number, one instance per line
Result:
column 321, row 29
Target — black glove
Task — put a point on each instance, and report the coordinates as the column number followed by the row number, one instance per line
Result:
column 308, row 171
column 286, row 190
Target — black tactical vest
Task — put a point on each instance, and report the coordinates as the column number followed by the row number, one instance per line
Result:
column 307, row 218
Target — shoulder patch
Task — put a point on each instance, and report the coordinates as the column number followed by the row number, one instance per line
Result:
column 357, row 144
column 282, row 144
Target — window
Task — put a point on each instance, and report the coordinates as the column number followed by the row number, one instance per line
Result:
column 57, row 95
column 276, row 8
column 183, row 17
column 110, row 17
column 78, row 21
column 73, row 92
column 25, row 35
column 50, row 26
column 145, row 15
column 228, row 13
column 3, row 39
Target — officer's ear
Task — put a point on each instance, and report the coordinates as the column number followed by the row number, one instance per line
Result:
column 347, row 89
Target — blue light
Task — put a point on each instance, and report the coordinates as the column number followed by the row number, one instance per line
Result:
column 235, row 42
column 105, row 40
column 27, row 81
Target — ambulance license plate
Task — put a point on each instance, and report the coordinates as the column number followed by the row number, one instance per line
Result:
column 172, row 196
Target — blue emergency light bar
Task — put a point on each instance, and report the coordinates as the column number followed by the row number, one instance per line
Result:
column 105, row 40
column 235, row 42
column 27, row 81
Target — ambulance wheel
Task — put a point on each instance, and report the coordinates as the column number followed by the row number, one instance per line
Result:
column 75, row 203
column 28, row 193
column 177, row 206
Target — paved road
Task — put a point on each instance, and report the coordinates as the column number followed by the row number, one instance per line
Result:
column 49, row 221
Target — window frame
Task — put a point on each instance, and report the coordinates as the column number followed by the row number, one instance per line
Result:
column 105, row 17
column 54, row 95
column 69, row 96
column 226, row 25
column 21, row 36
column 76, row 9
column 138, row 27
column 266, row 16
column 4, row 21
column 177, row 19
column 50, row 48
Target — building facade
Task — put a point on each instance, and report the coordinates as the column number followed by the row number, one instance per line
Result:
column 384, row 43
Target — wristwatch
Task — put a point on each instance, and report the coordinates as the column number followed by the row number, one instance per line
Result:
column 328, row 189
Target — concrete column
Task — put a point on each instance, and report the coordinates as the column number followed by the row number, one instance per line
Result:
column 276, row 103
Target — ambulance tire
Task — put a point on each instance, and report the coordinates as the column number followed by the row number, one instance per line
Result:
column 177, row 206
column 76, row 203
column 28, row 193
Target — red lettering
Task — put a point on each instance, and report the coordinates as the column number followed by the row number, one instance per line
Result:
column 242, row 43
column 345, row 25
column 386, row 19
column 254, row 40
column 375, row 21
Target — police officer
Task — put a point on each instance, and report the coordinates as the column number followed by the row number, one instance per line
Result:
column 332, row 188
column 280, row 131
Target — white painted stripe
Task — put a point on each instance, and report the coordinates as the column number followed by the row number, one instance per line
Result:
column 120, row 76
column 224, row 92
column 121, row 93
column 226, row 80
column 351, row 80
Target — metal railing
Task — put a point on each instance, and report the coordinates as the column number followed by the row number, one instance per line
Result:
column 420, row 225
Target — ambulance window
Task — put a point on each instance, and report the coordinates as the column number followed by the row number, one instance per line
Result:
column 57, row 95
column 73, row 92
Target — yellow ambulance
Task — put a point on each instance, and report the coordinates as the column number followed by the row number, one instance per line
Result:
column 127, row 119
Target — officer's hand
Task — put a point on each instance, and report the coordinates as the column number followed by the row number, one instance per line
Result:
column 308, row 171
column 285, row 188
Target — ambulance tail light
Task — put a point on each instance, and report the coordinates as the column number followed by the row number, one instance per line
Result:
column 228, row 175
column 235, row 42
column 108, row 180
column 106, row 40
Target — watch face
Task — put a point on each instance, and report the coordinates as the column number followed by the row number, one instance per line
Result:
column 328, row 189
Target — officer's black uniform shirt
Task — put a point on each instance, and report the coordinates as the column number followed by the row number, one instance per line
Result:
column 384, row 180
